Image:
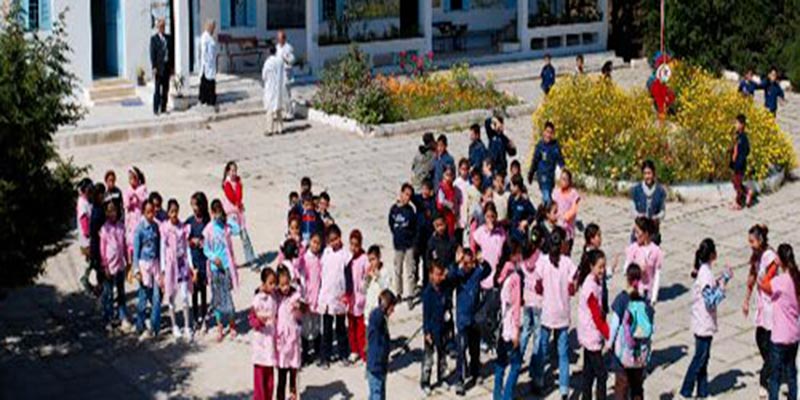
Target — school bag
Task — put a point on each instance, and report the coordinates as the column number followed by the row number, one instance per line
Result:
column 633, row 343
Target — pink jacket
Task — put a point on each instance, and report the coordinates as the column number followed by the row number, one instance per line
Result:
column 359, row 268
column 217, row 243
column 589, row 336
column 650, row 258
column 332, row 284
column 511, row 302
column 175, row 257
column 491, row 243
column 113, row 248
column 311, row 268
column 134, row 200
column 529, row 296
column 556, row 296
column 83, row 213
column 763, row 300
column 263, row 339
column 288, row 330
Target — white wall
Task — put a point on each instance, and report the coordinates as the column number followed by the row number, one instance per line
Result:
column 137, row 32
column 79, row 36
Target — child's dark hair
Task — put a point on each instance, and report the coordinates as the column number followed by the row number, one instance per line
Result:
column 646, row 225
column 305, row 181
column 704, row 254
column 356, row 234
column 517, row 181
column 407, row 186
column 463, row 162
column 476, row 172
column 109, row 174
column 515, row 164
column 442, row 139
column 293, row 195
column 216, row 208
column 633, row 274
column 436, row 263
column 547, row 56
column 173, row 203
column 316, row 234
column 579, row 57
column 761, row 233
column 85, row 186
column 374, row 250
column 568, row 173
column 607, row 67
column 591, row 259
column 98, row 192
column 557, row 238
column 649, row 164
column 283, row 271
column 386, row 299
column 325, row 196
column 786, row 255
column 228, row 166
column 475, row 128
column 500, row 174
column 591, row 231
column 290, row 249
column 266, row 273
column 139, row 175
column 742, row 119
column 427, row 183
column 202, row 203
column 489, row 206
column 544, row 210
column 334, row 230
column 155, row 197
column 549, row 124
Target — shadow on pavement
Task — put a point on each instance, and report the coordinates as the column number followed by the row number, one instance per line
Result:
column 662, row 358
column 336, row 389
column 672, row 292
column 728, row 381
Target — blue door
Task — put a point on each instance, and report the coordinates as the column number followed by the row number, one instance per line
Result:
column 114, row 37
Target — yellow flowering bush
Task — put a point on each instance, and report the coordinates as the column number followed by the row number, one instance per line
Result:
column 606, row 132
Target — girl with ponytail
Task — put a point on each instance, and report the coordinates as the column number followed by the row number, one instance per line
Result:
column 648, row 256
column 555, row 281
column 763, row 267
column 784, row 291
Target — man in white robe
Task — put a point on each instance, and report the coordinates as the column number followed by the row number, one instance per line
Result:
column 285, row 52
column 272, row 74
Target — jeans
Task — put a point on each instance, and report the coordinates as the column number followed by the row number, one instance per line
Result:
column 562, row 343
column 469, row 341
column 404, row 268
column 546, row 187
column 698, row 368
column 507, row 355
column 531, row 330
column 763, row 340
column 377, row 386
column 594, row 369
column 153, row 296
column 283, row 373
column 327, row 337
column 116, row 281
column 783, row 358
column 434, row 350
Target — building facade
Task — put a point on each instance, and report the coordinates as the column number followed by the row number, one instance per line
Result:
column 110, row 38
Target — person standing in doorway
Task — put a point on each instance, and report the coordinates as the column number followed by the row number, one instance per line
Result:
column 285, row 52
column 159, row 60
column 208, row 65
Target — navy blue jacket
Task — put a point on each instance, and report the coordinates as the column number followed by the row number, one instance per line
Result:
column 378, row 343
column 426, row 208
column 96, row 222
column 442, row 248
column 199, row 259
column 434, row 305
column 640, row 200
column 548, row 76
column 546, row 157
column 747, row 88
column 743, row 150
column 772, row 90
column 477, row 153
column 310, row 223
column 468, row 288
column 520, row 209
column 439, row 165
column 403, row 224
column 499, row 147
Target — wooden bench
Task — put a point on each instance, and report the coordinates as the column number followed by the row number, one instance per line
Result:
column 237, row 47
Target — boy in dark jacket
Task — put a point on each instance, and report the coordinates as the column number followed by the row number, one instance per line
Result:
column 546, row 157
column 467, row 276
column 741, row 149
column 403, row 224
column 433, row 327
column 425, row 204
column 379, row 345
column 477, row 150
column 310, row 221
column 772, row 91
column 548, row 75
column 500, row 145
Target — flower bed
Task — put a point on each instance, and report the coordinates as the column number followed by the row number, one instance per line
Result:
column 349, row 88
column 606, row 132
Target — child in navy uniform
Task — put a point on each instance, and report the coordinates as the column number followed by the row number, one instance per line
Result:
column 434, row 305
column 738, row 163
column 378, row 345
column 546, row 157
column 548, row 75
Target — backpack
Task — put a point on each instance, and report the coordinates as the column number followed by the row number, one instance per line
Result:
column 632, row 344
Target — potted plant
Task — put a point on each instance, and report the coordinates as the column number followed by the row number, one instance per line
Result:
column 140, row 77
column 180, row 102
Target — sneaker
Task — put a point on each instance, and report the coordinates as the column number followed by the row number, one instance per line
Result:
column 426, row 390
column 176, row 332
column 353, row 358
column 126, row 326
column 187, row 333
column 762, row 393
column 324, row 366
column 87, row 287
column 460, row 390
column 148, row 326
column 445, row 386
column 146, row 335
column 109, row 328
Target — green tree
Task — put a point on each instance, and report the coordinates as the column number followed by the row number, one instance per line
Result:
column 37, row 195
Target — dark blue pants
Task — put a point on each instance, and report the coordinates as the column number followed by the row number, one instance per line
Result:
column 698, row 368
column 783, row 358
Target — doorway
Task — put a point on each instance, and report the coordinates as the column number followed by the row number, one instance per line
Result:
column 107, row 47
column 409, row 18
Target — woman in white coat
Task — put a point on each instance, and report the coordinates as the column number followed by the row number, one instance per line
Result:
column 208, row 65
column 274, row 95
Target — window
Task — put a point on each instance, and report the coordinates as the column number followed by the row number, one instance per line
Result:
column 35, row 14
column 456, row 4
column 328, row 10
column 286, row 14
column 237, row 13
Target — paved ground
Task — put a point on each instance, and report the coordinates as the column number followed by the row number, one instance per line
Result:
column 53, row 344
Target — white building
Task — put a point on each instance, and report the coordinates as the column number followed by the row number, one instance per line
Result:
column 110, row 38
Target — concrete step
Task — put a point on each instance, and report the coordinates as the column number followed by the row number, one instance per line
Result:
column 111, row 89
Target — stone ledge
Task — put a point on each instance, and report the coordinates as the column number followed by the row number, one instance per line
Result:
column 688, row 191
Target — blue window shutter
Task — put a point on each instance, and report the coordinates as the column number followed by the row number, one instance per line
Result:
column 225, row 14
column 24, row 15
column 445, row 5
column 339, row 8
column 511, row 4
column 251, row 13
column 45, row 18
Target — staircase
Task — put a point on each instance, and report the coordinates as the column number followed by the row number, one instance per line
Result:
column 111, row 90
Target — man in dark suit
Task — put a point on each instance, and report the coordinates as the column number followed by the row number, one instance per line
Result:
column 160, row 60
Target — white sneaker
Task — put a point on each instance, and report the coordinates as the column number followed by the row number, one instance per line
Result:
column 187, row 333
column 146, row 335
column 176, row 332
column 445, row 386
column 353, row 357
column 109, row 328
column 126, row 326
column 147, row 325
column 762, row 393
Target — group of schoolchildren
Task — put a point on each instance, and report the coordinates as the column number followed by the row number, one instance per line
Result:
column 128, row 236
column 773, row 92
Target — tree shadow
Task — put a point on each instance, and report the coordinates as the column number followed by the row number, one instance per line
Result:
column 336, row 389
column 54, row 345
column 671, row 292
column 663, row 358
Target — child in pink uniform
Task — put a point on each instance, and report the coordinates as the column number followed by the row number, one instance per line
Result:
column 356, row 294
column 83, row 214
column 555, row 281
column 763, row 267
column 311, row 269
column 176, row 267
column 288, row 334
column 645, row 253
column 331, row 302
column 508, row 349
column 114, row 260
column 263, row 318
column 707, row 293
column 567, row 199
column 135, row 196
column 593, row 330
column 490, row 237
